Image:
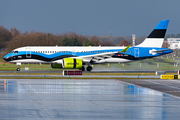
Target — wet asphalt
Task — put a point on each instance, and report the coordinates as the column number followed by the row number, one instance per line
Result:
column 74, row 99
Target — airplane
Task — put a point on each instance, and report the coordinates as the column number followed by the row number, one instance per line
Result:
column 77, row 57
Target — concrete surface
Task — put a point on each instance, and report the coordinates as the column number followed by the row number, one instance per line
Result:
column 65, row 99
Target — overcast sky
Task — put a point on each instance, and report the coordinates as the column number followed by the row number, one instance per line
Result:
column 90, row 17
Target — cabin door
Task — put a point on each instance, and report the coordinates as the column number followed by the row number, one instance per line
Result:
column 28, row 52
column 136, row 52
column 74, row 52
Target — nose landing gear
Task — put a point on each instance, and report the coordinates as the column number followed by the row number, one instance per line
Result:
column 18, row 64
column 18, row 69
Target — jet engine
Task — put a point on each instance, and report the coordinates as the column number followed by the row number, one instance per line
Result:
column 71, row 63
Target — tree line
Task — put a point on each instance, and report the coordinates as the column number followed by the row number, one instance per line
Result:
column 13, row 38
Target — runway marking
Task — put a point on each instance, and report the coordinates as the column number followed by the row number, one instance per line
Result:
column 140, row 82
column 155, row 86
column 174, row 83
column 163, row 84
column 173, row 91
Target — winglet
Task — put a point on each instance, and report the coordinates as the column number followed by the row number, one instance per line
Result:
column 125, row 49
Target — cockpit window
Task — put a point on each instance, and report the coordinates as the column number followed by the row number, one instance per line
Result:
column 16, row 52
column 12, row 51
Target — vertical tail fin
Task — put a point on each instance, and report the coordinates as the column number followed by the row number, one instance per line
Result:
column 156, row 37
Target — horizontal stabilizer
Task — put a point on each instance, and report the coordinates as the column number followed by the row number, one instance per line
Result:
column 160, row 51
column 153, row 51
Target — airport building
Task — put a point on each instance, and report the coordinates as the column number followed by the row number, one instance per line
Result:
column 173, row 43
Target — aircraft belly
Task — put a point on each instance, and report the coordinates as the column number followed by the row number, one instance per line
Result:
column 115, row 60
column 58, row 61
column 28, row 61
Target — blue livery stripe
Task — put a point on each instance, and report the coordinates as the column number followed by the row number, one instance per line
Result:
column 162, row 25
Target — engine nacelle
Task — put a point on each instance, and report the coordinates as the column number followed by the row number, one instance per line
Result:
column 71, row 63
column 55, row 65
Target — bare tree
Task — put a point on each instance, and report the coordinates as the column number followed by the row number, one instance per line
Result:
column 124, row 43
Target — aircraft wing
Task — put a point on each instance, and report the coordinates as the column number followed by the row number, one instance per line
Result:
column 103, row 56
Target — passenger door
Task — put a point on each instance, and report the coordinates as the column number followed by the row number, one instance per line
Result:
column 74, row 52
column 28, row 52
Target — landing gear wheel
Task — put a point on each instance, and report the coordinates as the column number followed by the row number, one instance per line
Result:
column 18, row 69
column 89, row 68
column 83, row 69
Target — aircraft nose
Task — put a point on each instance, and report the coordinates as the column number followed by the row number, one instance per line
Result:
column 6, row 58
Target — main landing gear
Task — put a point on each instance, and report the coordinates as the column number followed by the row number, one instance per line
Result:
column 18, row 64
column 89, row 68
column 83, row 68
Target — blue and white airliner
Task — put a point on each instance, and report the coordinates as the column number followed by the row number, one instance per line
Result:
column 76, row 57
